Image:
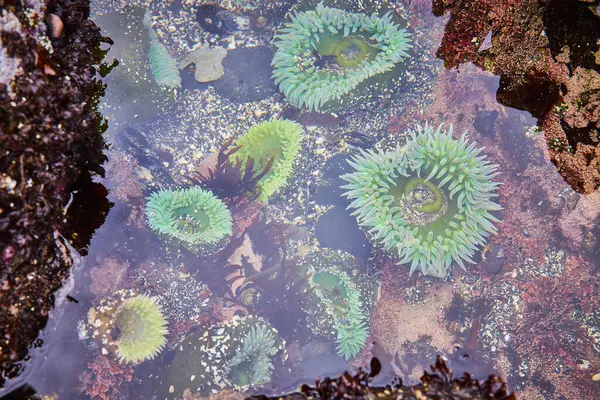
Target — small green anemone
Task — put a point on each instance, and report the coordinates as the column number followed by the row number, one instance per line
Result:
column 340, row 299
column 129, row 325
column 142, row 329
column 430, row 201
column 237, row 354
column 193, row 215
column 363, row 46
column 275, row 141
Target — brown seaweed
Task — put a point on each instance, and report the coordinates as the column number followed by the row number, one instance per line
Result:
column 232, row 180
column 437, row 384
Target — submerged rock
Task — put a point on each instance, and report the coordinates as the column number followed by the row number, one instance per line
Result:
column 50, row 135
column 247, row 75
column 207, row 62
column 337, row 229
column 215, row 19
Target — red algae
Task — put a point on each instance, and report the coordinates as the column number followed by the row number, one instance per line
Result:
column 541, row 51
column 105, row 379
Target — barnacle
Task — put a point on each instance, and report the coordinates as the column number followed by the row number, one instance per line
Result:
column 237, row 354
column 272, row 147
column 430, row 201
column 193, row 215
column 339, row 299
column 129, row 325
column 363, row 46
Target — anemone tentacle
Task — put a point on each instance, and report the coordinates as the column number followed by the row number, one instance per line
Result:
column 277, row 142
column 129, row 325
column 430, row 201
column 368, row 45
column 193, row 215
column 339, row 304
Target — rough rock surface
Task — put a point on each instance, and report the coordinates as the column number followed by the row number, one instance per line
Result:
column 547, row 54
column 51, row 144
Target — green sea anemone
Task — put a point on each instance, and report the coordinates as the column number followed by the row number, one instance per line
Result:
column 340, row 299
column 235, row 355
column 275, row 142
column 430, row 201
column 129, row 325
column 193, row 215
column 363, row 46
column 251, row 365
column 162, row 65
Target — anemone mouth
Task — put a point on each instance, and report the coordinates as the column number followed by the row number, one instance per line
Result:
column 352, row 51
column 275, row 143
column 363, row 46
column 430, row 202
column 192, row 215
column 191, row 220
column 421, row 202
column 334, row 290
column 239, row 374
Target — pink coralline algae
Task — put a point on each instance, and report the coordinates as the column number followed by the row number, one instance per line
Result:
column 105, row 379
column 124, row 182
column 109, row 276
column 546, row 54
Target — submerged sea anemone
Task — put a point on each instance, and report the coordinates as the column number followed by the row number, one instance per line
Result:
column 129, row 325
column 162, row 65
column 193, row 215
column 275, row 143
column 430, row 201
column 363, row 46
column 237, row 355
column 339, row 301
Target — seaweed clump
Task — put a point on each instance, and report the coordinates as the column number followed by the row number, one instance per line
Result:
column 439, row 384
column 51, row 141
column 231, row 178
column 237, row 354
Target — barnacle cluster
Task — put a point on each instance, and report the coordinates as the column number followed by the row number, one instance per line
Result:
column 237, row 354
column 272, row 145
column 129, row 325
column 194, row 215
column 362, row 46
column 430, row 201
column 339, row 301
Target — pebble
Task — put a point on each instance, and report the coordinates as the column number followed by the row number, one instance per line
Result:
column 56, row 26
